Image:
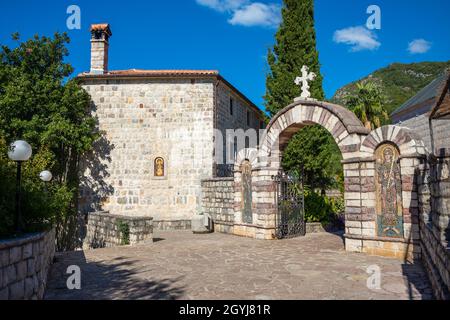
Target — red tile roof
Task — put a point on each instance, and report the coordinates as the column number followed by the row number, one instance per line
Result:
column 137, row 72
column 152, row 73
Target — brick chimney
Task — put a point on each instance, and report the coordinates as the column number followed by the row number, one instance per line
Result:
column 100, row 34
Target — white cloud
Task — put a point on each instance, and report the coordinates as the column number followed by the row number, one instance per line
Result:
column 257, row 14
column 419, row 46
column 245, row 12
column 359, row 38
column 223, row 5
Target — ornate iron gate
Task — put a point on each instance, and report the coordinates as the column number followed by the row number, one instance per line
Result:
column 290, row 220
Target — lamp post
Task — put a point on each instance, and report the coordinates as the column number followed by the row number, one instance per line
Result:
column 46, row 176
column 20, row 151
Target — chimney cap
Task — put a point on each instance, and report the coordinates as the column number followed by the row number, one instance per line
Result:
column 103, row 27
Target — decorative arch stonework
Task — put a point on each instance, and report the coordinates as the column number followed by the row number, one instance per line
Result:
column 358, row 147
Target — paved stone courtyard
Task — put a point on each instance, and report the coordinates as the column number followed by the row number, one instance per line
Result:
column 181, row 265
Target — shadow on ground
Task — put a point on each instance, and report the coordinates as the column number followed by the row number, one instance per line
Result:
column 117, row 278
column 413, row 274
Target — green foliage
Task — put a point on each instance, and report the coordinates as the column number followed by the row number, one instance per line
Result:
column 38, row 105
column 368, row 105
column 320, row 208
column 315, row 150
column 295, row 46
column 124, row 230
column 399, row 82
column 312, row 148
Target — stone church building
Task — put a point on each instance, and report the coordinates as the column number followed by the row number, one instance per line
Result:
column 159, row 130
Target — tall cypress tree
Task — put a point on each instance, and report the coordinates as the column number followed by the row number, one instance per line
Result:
column 313, row 148
column 295, row 46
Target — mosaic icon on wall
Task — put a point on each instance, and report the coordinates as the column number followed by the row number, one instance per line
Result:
column 159, row 167
column 389, row 192
column 246, row 169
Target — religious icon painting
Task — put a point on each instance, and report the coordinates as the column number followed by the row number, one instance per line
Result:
column 159, row 167
column 389, row 206
column 246, row 168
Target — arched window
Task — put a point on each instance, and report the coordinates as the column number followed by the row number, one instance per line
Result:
column 159, row 167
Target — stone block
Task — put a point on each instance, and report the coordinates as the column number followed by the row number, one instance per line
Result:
column 9, row 274
column 27, row 251
column 21, row 269
column 4, row 294
column 4, row 258
column 17, row 290
column 201, row 224
column 368, row 232
column 15, row 254
column 353, row 245
column 31, row 266
column 353, row 224
column 29, row 288
column 353, row 231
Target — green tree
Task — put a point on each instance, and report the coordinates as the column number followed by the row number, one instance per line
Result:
column 369, row 105
column 40, row 105
column 317, row 155
column 313, row 148
column 295, row 47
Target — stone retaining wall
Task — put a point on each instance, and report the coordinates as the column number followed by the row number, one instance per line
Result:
column 434, row 198
column 172, row 225
column 104, row 230
column 218, row 201
column 24, row 266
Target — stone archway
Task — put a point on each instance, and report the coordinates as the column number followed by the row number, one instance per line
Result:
column 358, row 147
column 342, row 124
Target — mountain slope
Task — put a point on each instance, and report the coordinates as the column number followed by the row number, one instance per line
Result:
column 399, row 82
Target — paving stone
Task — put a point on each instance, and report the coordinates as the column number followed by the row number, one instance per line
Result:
column 182, row 265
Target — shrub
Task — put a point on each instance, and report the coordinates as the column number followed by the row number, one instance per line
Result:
column 124, row 230
column 40, row 105
column 320, row 208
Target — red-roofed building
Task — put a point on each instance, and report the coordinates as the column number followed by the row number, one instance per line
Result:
column 160, row 133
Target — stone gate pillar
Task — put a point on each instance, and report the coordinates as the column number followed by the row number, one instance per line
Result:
column 261, row 225
column 389, row 168
column 359, row 184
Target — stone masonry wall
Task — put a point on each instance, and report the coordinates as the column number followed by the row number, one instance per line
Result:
column 218, row 200
column 237, row 120
column 103, row 230
column 24, row 265
column 441, row 131
column 144, row 119
column 434, row 207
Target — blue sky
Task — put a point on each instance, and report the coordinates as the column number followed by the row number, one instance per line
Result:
column 233, row 36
